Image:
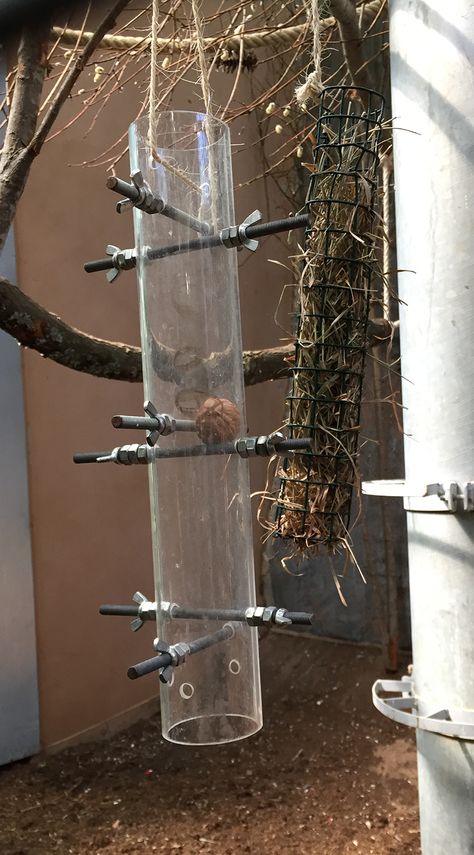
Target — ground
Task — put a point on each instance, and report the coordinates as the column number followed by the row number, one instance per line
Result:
column 328, row 775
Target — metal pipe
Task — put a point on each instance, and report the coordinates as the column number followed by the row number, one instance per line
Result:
column 432, row 86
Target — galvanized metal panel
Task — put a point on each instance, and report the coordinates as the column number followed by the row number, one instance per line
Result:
column 19, row 716
column 19, row 713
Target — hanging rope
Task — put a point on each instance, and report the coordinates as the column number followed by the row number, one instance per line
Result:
column 207, row 98
column 313, row 85
column 201, row 52
column 153, row 101
column 153, row 74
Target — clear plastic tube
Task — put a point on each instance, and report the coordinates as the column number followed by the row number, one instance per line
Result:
column 200, row 505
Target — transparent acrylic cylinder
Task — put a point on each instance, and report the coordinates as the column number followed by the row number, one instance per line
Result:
column 200, row 505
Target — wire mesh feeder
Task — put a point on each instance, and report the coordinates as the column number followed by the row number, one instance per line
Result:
column 314, row 501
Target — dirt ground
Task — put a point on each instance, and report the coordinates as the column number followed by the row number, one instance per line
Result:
column 328, row 775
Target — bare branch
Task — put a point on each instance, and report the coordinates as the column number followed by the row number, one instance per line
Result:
column 64, row 91
column 36, row 328
column 22, row 142
column 352, row 42
column 26, row 94
column 275, row 363
column 21, row 121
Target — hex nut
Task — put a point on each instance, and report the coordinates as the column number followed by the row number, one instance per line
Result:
column 178, row 652
column 268, row 614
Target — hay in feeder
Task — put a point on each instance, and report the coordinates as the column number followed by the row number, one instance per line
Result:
column 316, row 487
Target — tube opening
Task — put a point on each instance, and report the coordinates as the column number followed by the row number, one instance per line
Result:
column 212, row 729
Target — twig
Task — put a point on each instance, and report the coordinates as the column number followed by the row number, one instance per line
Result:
column 22, row 142
column 21, row 123
column 106, row 24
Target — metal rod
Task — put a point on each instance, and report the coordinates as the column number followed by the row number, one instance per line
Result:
column 185, row 219
column 263, row 446
column 164, row 660
column 276, row 615
column 210, row 241
column 239, row 615
column 130, row 191
column 206, row 641
column 206, row 614
column 188, row 246
column 155, row 205
column 89, row 456
column 98, row 265
column 148, row 666
column 254, row 231
column 280, row 446
column 124, row 611
column 149, row 423
column 301, row 221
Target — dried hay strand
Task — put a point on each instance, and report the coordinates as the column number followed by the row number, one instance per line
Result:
column 338, row 264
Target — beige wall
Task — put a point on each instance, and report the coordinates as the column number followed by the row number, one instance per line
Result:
column 90, row 524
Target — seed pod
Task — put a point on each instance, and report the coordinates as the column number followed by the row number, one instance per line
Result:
column 217, row 420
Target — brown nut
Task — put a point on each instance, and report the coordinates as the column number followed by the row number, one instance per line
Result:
column 217, row 420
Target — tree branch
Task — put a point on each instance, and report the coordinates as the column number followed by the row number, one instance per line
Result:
column 77, row 67
column 352, row 42
column 21, row 122
column 23, row 143
column 36, row 328
column 274, row 363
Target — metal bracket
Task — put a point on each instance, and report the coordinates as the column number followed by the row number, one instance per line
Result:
column 440, row 497
column 455, row 723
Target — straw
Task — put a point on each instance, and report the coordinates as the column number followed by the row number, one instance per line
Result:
column 338, row 266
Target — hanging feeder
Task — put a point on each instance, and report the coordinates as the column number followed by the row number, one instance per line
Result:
column 338, row 270
column 200, row 504
column 197, row 446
